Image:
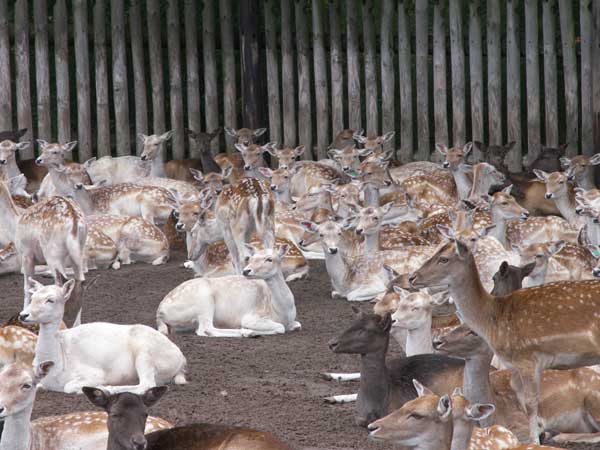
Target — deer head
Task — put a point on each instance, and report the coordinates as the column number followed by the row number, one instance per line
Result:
column 151, row 145
column 212, row 180
column 461, row 342
column 52, row 155
column 413, row 309
column 127, row 414
column 369, row 333
column 452, row 263
column 329, row 233
column 252, row 155
column 540, row 254
column 576, row 167
column 203, row 139
column 556, row 183
column 372, row 144
column 286, row 157
column 8, row 150
column 454, row 157
column 245, row 136
column 18, row 382
column 347, row 158
column 264, row 263
column 495, row 154
column 47, row 302
column 504, row 207
column 369, row 219
column 280, row 179
column 510, row 278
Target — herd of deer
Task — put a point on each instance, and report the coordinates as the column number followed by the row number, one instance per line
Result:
column 443, row 251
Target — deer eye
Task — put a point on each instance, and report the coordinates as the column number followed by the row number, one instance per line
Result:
column 443, row 260
column 49, row 300
column 247, row 258
column 26, row 386
column 269, row 259
column 539, row 256
column 415, row 416
column 504, row 203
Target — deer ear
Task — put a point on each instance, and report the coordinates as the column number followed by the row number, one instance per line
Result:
column 197, row 174
column 191, row 133
column 457, row 391
column 42, row 143
column 441, row 148
column 480, row 411
column 540, row 174
column 259, row 132
column 388, row 136
column 97, row 396
column 390, row 271
column 421, row 390
column 386, row 322
column 444, row 407
column 446, row 232
column 461, row 249
column 69, row 146
column 42, row 370
column 265, row 172
column 299, row 151
column 283, row 249
column 401, row 292
column 510, row 145
column 467, row 148
column 166, row 136
column 23, row 145
column 556, row 247
column 507, row 189
column 214, row 133
column 152, row 395
column 503, row 268
column 67, row 289
column 230, row 131
column 240, row 147
column 89, row 162
column 387, row 208
column 480, row 146
column 595, row 160
column 566, row 162
column 527, row 269
column 35, row 285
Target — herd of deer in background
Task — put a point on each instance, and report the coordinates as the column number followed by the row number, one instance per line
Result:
column 442, row 250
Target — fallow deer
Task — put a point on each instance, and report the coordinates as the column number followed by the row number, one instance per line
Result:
column 372, row 144
column 242, row 209
column 510, row 278
column 179, row 169
column 344, row 138
column 485, row 177
column 245, row 136
column 562, row 193
column 286, row 157
column 505, row 322
column 9, row 145
column 127, row 414
column 85, row 429
column 17, row 344
column 495, row 154
column 412, row 169
column 253, row 158
column 152, row 358
column 152, row 150
column 431, row 193
column 453, row 158
column 215, row 181
column 233, row 306
column 307, row 175
column 346, row 159
column 581, row 170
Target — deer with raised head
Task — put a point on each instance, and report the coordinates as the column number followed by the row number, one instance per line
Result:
column 253, row 158
column 359, row 278
column 8, row 160
column 510, row 278
column 280, row 185
column 84, row 429
column 257, row 303
column 286, row 157
column 127, row 415
column 346, row 159
column 505, row 322
column 152, row 359
column 59, row 179
column 563, row 194
column 9, row 145
column 581, row 170
column 372, row 144
column 495, row 154
column 385, row 386
column 557, row 261
column 215, row 181
column 453, row 158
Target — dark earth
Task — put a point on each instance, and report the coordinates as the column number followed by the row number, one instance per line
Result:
column 269, row 383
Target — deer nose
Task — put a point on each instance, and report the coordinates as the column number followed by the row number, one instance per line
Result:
column 246, row 272
column 179, row 226
column 359, row 231
column 23, row 317
column 2, row 161
column 247, row 167
column 525, row 215
column 273, row 187
column 333, row 344
column 412, row 278
column 445, row 164
column 437, row 343
column 79, row 186
column 578, row 210
column 549, row 195
column 143, row 157
column 596, row 272
column 332, row 250
column 139, row 442
column 38, row 161
column 571, row 177
column 283, row 166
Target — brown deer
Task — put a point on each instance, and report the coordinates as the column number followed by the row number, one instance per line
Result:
column 581, row 170
column 127, row 414
column 286, row 157
column 520, row 328
column 559, row 190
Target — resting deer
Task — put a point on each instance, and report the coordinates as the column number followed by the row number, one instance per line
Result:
column 574, row 390
column 127, row 414
column 359, row 278
column 385, row 386
column 557, row 261
column 215, row 181
column 152, row 358
column 85, row 429
column 430, row 423
column 453, row 159
column 503, row 322
column 257, row 303
column 495, row 154
column 286, row 157
column 581, row 170
column 253, row 158
column 372, row 144
column 17, row 345
column 242, row 209
column 307, row 175
column 346, row 159
column 485, row 177
column 9, row 145
column 562, row 193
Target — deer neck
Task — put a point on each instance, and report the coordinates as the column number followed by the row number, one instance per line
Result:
column 418, row 340
column 85, row 199
column 208, row 162
column 375, row 386
column 587, row 181
column 463, row 183
column 566, row 204
column 461, row 434
column 48, row 346
column 284, row 196
column 158, row 164
column 371, row 193
column 283, row 298
column 440, row 441
column 475, row 306
column 476, row 382
column 337, row 269
column 372, row 243
column 481, row 186
column 12, row 169
column 499, row 231
column 8, row 213
column 16, row 434
column 537, row 276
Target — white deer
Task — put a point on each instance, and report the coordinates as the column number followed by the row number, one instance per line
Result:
column 93, row 354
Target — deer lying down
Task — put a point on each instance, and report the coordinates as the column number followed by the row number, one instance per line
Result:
column 93, row 353
column 430, row 422
column 127, row 414
column 80, row 430
column 234, row 306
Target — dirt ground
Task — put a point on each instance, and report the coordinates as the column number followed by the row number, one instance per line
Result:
column 269, row 383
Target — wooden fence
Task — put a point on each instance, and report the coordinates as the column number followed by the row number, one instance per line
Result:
column 102, row 71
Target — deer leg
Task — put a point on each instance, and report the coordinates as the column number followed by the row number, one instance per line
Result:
column 233, row 248
column 531, row 391
column 347, row 398
column 261, row 326
column 341, row 376
column 207, row 328
column 28, row 269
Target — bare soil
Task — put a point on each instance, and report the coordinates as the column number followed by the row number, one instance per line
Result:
column 269, row 383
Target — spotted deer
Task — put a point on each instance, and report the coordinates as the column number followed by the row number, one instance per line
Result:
column 253, row 158
column 286, row 157
column 215, row 181
column 372, row 144
column 581, row 169
column 152, row 359
column 504, row 322
column 562, row 193
column 307, row 175
column 485, row 176
column 242, row 209
column 86, row 429
column 413, row 169
column 9, row 146
column 346, row 159
column 59, row 179
column 453, row 158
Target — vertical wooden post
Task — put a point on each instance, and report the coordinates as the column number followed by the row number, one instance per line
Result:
column 61, row 63
column 422, row 64
column 5, row 78
column 304, row 106
column 156, row 66
column 532, row 70
column 513, row 86
column 475, row 72
column 550, row 83
column 406, row 86
column 272, row 75
column 337, row 72
column 458, row 74
column 321, row 88
column 494, row 72
column 211, row 98
column 139, row 77
column 194, row 117
column 252, row 80
column 596, row 74
column 82, row 74
column 388, row 95
column 287, row 75
column 371, row 99
column 567, row 35
column 102, row 95
column 175, row 85
column 229, row 70
column 119, row 71
column 42, row 69
column 23, row 85
column 440, row 116
column 587, row 31
column 352, row 57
